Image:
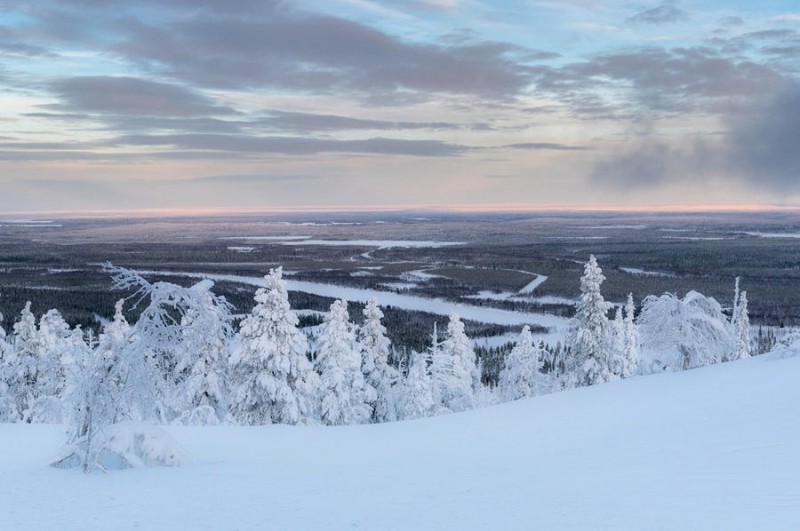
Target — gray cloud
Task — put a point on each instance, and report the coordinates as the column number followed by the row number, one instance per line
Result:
column 760, row 147
column 306, row 122
column 545, row 145
column 133, row 96
column 651, row 162
column 293, row 145
column 288, row 49
column 666, row 12
column 253, row 178
column 764, row 143
column 660, row 78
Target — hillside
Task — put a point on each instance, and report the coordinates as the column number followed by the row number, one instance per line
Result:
column 711, row 448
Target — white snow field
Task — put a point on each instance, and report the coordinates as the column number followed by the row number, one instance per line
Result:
column 714, row 448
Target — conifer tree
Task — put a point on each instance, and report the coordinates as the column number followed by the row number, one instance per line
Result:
column 630, row 352
column 8, row 406
column 521, row 376
column 375, row 349
column 273, row 381
column 454, row 369
column 345, row 395
column 741, row 326
column 25, row 355
column 417, row 400
column 589, row 361
column 202, row 361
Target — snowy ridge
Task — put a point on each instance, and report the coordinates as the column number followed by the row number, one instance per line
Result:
column 656, row 452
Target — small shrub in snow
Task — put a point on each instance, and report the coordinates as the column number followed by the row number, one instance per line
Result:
column 121, row 446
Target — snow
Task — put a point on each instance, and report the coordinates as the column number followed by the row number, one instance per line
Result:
column 266, row 238
column 711, row 448
column 361, row 274
column 400, row 285
column 419, row 275
column 241, row 248
column 642, row 272
column 773, row 234
column 398, row 300
column 533, row 284
column 382, row 244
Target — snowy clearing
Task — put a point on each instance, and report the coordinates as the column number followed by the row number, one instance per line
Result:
column 382, row 244
column 637, row 271
column 386, row 298
column 659, row 452
column 266, row 238
column 241, row 248
column 533, row 284
column 793, row 235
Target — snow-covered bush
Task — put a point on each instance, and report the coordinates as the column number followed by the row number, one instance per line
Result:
column 121, row 446
column 679, row 334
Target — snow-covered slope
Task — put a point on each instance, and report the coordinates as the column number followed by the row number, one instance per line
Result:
column 712, row 448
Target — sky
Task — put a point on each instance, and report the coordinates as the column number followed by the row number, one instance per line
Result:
column 265, row 104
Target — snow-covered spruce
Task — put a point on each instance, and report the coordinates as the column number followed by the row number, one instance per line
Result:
column 202, row 359
column 741, row 328
column 455, row 374
column 521, row 376
column 345, row 396
column 589, row 336
column 375, row 348
column 272, row 380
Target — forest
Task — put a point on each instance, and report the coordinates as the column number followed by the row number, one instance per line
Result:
column 185, row 361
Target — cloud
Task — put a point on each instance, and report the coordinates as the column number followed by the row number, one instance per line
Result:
column 545, row 145
column 763, row 144
column 759, row 148
column 667, row 12
column 657, row 78
column 287, row 49
column 652, row 163
column 256, row 178
column 293, row 145
column 133, row 96
column 307, row 122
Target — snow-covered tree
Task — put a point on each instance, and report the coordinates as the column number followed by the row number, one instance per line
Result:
column 417, row 398
column 272, row 380
column 375, row 348
column 617, row 341
column 741, row 327
column 345, row 395
column 590, row 356
column 8, row 406
column 629, row 360
column 202, row 359
column 454, row 369
column 57, row 346
column 24, row 358
column 679, row 334
column 521, row 376
column 152, row 355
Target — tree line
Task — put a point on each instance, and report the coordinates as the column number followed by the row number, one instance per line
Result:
column 184, row 362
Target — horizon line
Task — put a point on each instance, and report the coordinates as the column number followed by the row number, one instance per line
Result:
column 442, row 209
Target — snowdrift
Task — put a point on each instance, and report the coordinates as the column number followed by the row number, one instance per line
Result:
column 711, row 448
column 121, row 446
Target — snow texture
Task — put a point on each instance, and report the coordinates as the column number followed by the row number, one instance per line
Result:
column 713, row 448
